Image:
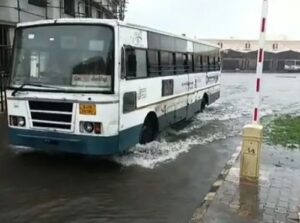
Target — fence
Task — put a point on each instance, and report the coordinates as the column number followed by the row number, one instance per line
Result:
column 3, row 85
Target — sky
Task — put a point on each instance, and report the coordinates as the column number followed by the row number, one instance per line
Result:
column 217, row 19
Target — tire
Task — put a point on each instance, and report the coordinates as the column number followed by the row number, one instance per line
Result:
column 203, row 105
column 148, row 132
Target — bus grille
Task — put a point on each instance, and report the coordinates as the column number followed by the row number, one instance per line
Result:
column 57, row 115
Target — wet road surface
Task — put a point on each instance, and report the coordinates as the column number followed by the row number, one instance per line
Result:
column 161, row 182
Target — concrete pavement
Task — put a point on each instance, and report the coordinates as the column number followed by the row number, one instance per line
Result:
column 275, row 198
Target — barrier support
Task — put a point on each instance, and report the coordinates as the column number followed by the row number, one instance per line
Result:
column 253, row 134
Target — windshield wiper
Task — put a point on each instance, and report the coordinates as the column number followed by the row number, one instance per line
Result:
column 30, row 84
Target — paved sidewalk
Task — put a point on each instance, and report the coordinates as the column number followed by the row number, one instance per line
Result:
column 275, row 198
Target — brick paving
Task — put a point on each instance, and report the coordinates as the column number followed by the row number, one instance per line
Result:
column 274, row 198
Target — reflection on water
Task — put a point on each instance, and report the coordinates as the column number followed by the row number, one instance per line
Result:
column 249, row 199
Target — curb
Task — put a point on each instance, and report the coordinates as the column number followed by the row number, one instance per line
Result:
column 210, row 196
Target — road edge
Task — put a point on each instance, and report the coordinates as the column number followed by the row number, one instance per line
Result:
column 210, row 196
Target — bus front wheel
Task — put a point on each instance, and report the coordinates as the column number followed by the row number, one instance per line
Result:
column 149, row 130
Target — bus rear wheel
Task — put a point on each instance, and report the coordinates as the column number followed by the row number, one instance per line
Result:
column 204, row 102
column 149, row 130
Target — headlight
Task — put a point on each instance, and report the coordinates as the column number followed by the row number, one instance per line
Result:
column 21, row 121
column 17, row 121
column 88, row 127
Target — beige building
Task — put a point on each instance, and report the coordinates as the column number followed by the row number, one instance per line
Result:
column 274, row 46
column 241, row 55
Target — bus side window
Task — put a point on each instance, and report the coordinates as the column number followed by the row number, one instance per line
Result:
column 190, row 63
column 153, row 63
column 180, row 63
column 123, row 63
column 205, row 64
column 211, row 63
column 129, row 102
column 215, row 64
column 198, row 63
column 136, row 63
column 141, row 63
column 131, row 63
column 186, row 63
column 167, row 63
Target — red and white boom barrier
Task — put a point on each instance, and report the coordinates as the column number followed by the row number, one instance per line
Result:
column 260, row 62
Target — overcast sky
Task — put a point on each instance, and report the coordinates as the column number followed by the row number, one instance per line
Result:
column 217, row 18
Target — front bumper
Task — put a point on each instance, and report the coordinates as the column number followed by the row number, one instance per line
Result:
column 64, row 143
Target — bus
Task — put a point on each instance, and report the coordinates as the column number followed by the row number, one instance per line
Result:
column 99, row 87
column 292, row 65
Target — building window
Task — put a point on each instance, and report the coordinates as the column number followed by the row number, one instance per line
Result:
column 100, row 14
column 275, row 46
column 88, row 9
column 69, row 7
column 247, row 46
column 5, row 48
column 40, row 3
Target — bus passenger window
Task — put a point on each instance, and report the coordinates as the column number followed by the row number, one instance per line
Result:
column 153, row 63
column 198, row 63
column 205, row 64
column 219, row 63
column 180, row 63
column 167, row 63
column 190, row 66
column 131, row 63
column 136, row 63
column 215, row 64
column 141, row 63
column 211, row 63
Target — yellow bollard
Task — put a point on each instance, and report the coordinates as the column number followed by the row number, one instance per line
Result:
column 251, row 152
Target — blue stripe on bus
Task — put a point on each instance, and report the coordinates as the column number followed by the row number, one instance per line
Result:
column 77, row 144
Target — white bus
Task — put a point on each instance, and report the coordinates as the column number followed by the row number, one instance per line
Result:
column 99, row 87
column 292, row 65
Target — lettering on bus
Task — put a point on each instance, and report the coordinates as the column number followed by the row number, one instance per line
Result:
column 212, row 79
column 93, row 80
column 142, row 93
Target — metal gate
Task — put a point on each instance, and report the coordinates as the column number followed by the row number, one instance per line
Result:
column 5, row 54
column 3, row 84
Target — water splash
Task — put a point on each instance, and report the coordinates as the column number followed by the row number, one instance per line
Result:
column 221, row 120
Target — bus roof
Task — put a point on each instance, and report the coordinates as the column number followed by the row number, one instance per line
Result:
column 111, row 22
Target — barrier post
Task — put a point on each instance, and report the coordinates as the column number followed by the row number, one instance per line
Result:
column 253, row 134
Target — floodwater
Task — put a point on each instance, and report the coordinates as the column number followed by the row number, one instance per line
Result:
column 163, row 181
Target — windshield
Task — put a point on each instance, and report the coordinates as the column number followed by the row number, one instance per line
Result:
column 77, row 57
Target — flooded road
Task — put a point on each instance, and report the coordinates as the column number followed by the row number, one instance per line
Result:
column 161, row 182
